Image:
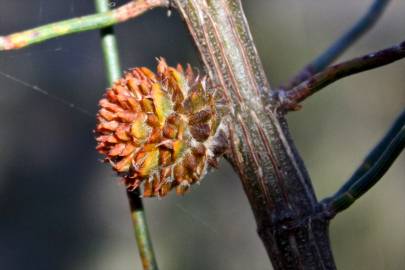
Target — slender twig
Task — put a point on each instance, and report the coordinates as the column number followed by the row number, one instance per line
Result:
column 113, row 70
column 371, row 170
column 80, row 24
column 374, row 154
column 141, row 231
column 344, row 69
column 109, row 46
column 341, row 44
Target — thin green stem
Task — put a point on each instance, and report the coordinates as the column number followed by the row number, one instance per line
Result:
column 113, row 70
column 109, row 46
column 372, row 169
column 80, row 24
column 365, row 23
column 141, row 231
column 374, row 154
column 49, row 31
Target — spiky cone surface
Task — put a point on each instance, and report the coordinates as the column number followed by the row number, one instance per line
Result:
column 159, row 129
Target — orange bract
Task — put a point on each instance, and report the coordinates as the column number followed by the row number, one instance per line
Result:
column 156, row 129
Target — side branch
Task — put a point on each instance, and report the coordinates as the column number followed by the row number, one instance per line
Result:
column 375, row 154
column 342, row 43
column 91, row 22
column 336, row 72
column 371, row 170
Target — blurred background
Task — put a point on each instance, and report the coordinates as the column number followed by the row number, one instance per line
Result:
column 60, row 208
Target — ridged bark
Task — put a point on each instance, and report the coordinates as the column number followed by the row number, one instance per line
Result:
column 289, row 218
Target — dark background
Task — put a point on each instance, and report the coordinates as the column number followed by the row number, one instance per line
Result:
column 62, row 209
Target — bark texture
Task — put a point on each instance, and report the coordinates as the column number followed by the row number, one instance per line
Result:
column 288, row 216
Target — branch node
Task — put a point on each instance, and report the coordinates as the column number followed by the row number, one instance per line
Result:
column 283, row 102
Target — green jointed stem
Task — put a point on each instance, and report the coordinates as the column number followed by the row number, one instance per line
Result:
column 113, row 70
column 109, row 46
column 381, row 159
column 375, row 154
column 141, row 231
column 91, row 22
column 112, row 61
column 48, row 31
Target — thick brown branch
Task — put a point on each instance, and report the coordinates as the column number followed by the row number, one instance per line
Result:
column 273, row 176
column 336, row 72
